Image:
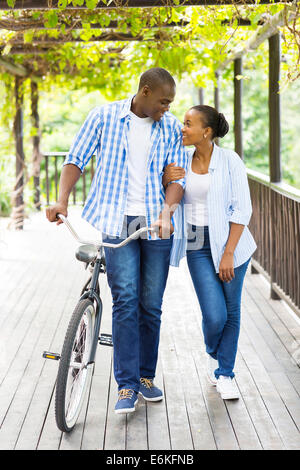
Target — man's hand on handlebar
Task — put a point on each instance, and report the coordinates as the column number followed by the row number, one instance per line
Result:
column 164, row 224
column 58, row 208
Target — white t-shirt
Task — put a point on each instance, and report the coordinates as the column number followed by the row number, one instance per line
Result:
column 195, row 197
column 139, row 147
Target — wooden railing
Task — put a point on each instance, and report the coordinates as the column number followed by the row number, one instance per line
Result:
column 50, row 174
column 275, row 224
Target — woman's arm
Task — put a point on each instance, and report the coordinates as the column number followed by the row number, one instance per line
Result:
column 226, row 268
column 172, row 173
column 240, row 217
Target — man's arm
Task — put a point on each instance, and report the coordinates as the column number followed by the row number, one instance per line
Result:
column 174, row 193
column 69, row 176
column 174, row 190
column 82, row 149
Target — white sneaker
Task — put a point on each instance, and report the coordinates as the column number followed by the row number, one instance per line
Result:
column 211, row 366
column 227, row 388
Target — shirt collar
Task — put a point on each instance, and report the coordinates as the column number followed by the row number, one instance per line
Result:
column 214, row 157
column 126, row 107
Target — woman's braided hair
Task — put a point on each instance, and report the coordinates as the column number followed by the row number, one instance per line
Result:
column 212, row 118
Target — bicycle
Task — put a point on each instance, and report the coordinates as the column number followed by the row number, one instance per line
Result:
column 77, row 359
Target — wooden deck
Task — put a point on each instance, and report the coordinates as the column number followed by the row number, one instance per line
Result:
column 40, row 284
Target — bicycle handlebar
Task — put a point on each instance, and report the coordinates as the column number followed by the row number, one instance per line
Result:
column 134, row 236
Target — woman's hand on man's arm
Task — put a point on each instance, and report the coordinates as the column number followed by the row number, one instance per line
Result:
column 172, row 173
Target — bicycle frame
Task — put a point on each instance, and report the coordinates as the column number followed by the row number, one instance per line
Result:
column 91, row 294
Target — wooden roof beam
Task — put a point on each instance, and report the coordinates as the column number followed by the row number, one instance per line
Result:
column 105, row 37
column 287, row 15
column 15, row 69
column 37, row 50
column 23, row 24
column 43, row 4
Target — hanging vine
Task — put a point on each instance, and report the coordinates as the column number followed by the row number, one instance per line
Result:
column 103, row 49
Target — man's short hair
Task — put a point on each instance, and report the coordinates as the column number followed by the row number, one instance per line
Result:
column 155, row 78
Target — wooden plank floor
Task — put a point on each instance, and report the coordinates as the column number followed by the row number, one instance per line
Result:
column 40, row 284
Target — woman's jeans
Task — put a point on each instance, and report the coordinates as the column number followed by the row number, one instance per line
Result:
column 137, row 275
column 220, row 304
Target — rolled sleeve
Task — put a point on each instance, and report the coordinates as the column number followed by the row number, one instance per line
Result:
column 178, row 155
column 86, row 141
column 241, row 206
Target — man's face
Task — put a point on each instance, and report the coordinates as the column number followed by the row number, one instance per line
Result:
column 157, row 101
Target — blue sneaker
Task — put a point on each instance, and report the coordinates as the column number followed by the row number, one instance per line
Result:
column 149, row 391
column 127, row 401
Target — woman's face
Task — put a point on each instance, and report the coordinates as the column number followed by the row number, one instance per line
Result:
column 193, row 130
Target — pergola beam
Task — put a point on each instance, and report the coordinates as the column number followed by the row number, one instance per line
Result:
column 15, row 69
column 15, row 50
column 18, row 198
column 37, row 50
column 238, row 100
column 44, row 4
column 274, row 109
column 23, row 24
column 217, row 99
column 288, row 14
column 109, row 36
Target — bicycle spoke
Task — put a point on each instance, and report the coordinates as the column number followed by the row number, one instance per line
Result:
column 78, row 373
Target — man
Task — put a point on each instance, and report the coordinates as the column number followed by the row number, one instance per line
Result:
column 134, row 140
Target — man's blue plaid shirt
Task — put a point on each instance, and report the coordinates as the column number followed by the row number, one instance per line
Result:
column 105, row 133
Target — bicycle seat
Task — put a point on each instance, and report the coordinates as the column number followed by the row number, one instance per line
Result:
column 86, row 253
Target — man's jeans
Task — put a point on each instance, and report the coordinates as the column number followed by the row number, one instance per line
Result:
column 137, row 275
column 220, row 304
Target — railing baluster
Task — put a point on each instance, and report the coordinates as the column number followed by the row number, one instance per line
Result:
column 47, row 179
column 275, row 225
column 55, row 177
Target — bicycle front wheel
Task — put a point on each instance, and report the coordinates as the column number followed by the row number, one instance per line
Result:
column 74, row 373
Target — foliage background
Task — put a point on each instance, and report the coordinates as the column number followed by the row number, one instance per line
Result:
column 75, row 80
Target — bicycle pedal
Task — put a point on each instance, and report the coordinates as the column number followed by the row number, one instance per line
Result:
column 51, row 355
column 105, row 340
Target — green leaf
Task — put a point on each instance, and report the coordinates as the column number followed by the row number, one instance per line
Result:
column 51, row 19
column 91, row 4
column 28, row 36
column 62, row 4
column 7, row 49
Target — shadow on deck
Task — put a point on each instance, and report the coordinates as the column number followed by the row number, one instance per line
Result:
column 40, row 284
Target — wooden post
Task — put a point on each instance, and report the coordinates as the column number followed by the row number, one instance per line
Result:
column 274, row 136
column 217, row 98
column 216, row 93
column 18, row 199
column 274, row 109
column 201, row 96
column 36, row 157
column 238, row 95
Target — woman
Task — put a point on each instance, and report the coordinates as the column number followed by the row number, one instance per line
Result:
column 217, row 242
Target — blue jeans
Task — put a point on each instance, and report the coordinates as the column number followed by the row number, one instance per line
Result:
column 220, row 304
column 137, row 275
